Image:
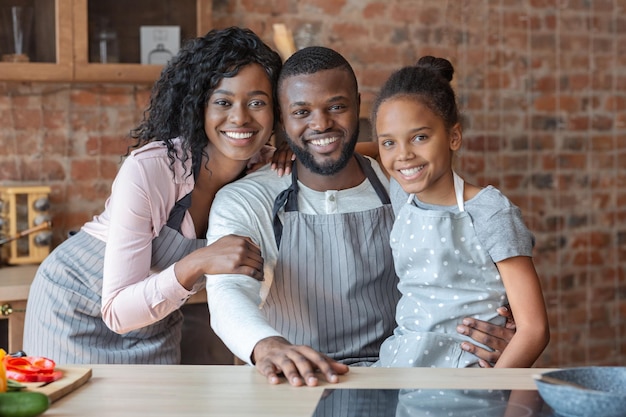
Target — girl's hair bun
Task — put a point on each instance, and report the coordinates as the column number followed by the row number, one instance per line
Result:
column 441, row 66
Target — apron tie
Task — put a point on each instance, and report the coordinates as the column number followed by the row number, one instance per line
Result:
column 176, row 216
column 287, row 198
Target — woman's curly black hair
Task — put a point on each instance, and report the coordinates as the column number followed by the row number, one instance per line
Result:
column 180, row 95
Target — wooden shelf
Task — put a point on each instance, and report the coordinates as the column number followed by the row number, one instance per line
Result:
column 72, row 33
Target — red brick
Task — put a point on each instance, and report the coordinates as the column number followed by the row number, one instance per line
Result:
column 602, row 123
column 331, row 7
column 57, row 97
column 92, row 145
column 109, row 169
column 142, row 98
column 83, row 98
column 44, row 170
column 373, row 78
column 578, row 82
column 344, row 31
column 83, row 120
column 27, row 118
column 572, row 161
column 55, row 144
column 558, row 103
column 374, row 10
column 615, row 103
column 9, row 170
column 578, row 123
column 26, row 101
column 472, row 165
column 113, row 145
column 85, row 169
column 117, row 97
column 54, row 119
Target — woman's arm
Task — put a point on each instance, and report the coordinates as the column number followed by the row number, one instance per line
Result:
column 523, row 290
column 134, row 296
column 489, row 334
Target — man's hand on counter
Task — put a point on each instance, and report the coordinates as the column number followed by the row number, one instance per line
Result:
column 301, row 365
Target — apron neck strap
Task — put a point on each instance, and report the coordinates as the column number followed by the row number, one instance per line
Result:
column 369, row 172
column 459, row 186
column 289, row 197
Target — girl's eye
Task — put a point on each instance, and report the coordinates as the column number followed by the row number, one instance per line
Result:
column 386, row 143
column 419, row 138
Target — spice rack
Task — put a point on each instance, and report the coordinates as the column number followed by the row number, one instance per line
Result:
column 25, row 224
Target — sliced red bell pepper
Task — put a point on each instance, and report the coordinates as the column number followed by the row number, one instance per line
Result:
column 31, row 369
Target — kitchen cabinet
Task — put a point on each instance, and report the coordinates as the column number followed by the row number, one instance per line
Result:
column 14, row 286
column 47, row 44
column 64, row 37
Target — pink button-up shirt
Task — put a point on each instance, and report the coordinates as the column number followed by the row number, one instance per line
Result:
column 143, row 194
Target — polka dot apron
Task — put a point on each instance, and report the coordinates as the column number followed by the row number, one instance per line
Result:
column 445, row 274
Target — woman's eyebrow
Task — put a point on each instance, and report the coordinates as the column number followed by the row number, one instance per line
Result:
column 250, row 93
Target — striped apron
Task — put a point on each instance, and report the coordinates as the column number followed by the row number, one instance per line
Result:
column 63, row 320
column 334, row 286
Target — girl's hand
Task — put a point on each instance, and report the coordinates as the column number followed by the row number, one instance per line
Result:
column 283, row 159
column 260, row 159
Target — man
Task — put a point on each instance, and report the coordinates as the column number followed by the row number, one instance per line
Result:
column 329, row 295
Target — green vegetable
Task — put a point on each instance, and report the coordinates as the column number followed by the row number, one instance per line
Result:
column 23, row 404
column 14, row 385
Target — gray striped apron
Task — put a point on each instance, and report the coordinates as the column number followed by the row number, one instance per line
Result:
column 334, row 286
column 63, row 320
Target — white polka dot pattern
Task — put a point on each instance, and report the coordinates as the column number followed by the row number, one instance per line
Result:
column 445, row 275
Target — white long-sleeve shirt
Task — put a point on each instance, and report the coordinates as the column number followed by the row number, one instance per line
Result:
column 244, row 208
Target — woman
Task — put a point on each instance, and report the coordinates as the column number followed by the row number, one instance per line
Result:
column 112, row 293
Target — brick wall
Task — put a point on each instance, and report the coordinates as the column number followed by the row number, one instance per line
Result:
column 542, row 85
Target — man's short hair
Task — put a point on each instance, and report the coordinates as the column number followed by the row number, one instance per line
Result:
column 314, row 59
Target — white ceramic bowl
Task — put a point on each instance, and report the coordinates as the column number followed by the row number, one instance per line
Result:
column 605, row 396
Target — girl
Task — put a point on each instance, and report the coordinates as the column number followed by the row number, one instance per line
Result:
column 456, row 246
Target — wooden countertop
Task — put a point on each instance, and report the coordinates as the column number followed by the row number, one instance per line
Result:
column 192, row 390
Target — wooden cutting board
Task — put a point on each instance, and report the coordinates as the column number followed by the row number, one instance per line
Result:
column 72, row 379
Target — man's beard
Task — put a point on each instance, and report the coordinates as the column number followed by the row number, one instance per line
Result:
column 329, row 168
